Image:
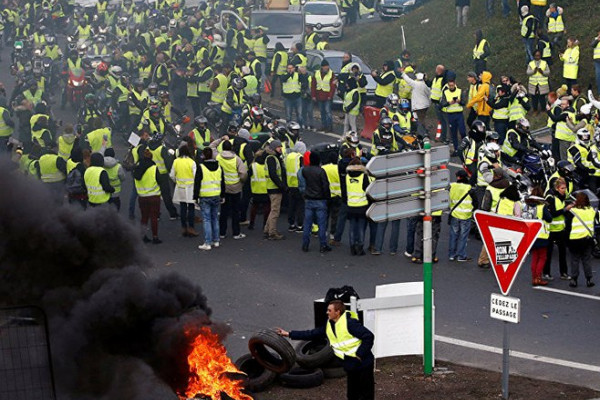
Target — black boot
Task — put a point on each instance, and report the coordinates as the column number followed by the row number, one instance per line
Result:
column 353, row 249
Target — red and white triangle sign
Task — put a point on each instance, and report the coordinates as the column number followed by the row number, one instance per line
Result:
column 507, row 241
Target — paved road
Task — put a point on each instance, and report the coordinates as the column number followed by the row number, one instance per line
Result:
column 253, row 284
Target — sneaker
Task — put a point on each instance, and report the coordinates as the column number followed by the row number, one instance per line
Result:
column 292, row 228
column 204, row 247
column 565, row 277
column 222, row 236
column 375, row 252
column 299, row 229
column 589, row 283
column 325, row 249
column 240, row 236
column 145, row 239
column 547, row 277
column 467, row 259
column 407, row 254
column 156, row 241
column 392, row 253
column 416, row 260
column 173, row 217
column 484, row 266
column 216, row 244
column 244, row 223
column 277, row 236
column 573, row 283
column 451, row 258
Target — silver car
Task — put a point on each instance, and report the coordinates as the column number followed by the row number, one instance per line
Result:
column 325, row 16
column 335, row 59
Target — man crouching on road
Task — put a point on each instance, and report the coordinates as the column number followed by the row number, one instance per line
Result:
column 351, row 342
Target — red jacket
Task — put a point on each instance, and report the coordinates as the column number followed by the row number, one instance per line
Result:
column 321, row 95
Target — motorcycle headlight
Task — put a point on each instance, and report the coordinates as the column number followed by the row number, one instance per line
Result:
column 77, row 83
column 177, row 128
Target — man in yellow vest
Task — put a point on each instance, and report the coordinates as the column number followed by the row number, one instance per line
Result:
column 99, row 136
column 276, row 186
column 209, row 185
column 438, row 84
column 235, row 173
column 351, row 343
column 311, row 38
column 385, row 82
column 97, row 182
column 578, row 155
column 463, row 202
column 278, row 65
column 293, row 162
column 219, row 84
column 481, row 52
column 539, row 86
column 596, row 56
column 6, row 128
column 570, row 59
column 291, row 92
column 452, row 103
column 322, row 90
column 116, row 176
column 562, row 133
column 351, row 106
column 529, row 26
column 334, row 205
column 582, row 218
column 556, row 26
column 538, row 7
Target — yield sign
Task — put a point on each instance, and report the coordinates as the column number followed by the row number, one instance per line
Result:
column 507, row 241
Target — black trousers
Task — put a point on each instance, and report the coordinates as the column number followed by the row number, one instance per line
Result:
column 560, row 238
column 361, row 384
column 230, row 208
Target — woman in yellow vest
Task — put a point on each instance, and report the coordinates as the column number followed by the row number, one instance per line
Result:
column 582, row 220
column 145, row 175
column 209, row 186
column 570, row 59
column 538, row 87
column 354, row 188
column 182, row 173
column 97, row 182
column 536, row 208
column 116, row 176
column 555, row 198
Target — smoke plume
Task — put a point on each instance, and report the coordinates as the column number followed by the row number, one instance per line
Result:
column 115, row 332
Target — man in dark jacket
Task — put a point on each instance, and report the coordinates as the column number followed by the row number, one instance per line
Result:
column 351, row 342
column 276, row 186
column 316, row 194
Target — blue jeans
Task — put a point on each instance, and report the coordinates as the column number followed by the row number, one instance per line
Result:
column 528, row 42
column 291, row 106
column 341, row 222
column 210, row 215
column 456, row 122
column 326, row 118
column 597, row 68
column 315, row 209
column 357, row 230
column 381, row 227
column 501, row 126
column 307, row 112
column 411, row 229
column 459, row 234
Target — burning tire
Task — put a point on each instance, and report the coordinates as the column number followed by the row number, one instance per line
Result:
column 302, row 378
column 313, row 354
column 272, row 351
column 259, row 378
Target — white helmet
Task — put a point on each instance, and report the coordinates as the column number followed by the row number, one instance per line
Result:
column 491, row 150
column 583, row 137
column 115, row 70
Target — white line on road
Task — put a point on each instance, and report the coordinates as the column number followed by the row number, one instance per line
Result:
column 518, row 354
column 585, row 296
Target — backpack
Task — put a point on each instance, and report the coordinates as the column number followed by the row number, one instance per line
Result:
column 344, row 293
column 75, row 184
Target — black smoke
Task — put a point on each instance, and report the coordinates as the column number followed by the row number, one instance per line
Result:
column 116, row 333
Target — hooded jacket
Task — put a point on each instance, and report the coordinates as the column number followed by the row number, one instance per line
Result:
column 478, row 99
column 242, row 170
column 110, row 162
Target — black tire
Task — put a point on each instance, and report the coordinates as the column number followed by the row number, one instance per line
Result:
column 272, row 351
column 302, row 378
column 259, row 378
column 313, row 354
column 334, row 369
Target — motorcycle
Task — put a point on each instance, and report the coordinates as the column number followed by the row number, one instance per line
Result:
column 76, row 87
column 537, row 166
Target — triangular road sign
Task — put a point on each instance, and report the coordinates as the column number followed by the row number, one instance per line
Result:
column 507, row 241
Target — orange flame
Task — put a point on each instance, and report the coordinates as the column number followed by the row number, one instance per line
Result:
column 209, row 366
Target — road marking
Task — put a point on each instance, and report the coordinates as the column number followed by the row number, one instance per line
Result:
column 585, row 296
column 518, row 354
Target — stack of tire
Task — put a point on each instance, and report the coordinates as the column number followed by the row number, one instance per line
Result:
column 272, row 358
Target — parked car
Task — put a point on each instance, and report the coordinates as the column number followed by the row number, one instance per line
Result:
column 335, row 59
column 395, row 8
column 325, row 16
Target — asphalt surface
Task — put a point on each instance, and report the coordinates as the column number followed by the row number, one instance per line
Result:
column 252, row 284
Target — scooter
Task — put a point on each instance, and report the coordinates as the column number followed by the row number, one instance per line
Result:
column 76, row 87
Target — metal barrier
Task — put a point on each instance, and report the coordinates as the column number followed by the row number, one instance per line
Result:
column 25, row 359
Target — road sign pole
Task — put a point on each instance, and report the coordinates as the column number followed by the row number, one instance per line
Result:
column 427, row 259
column 505, row 361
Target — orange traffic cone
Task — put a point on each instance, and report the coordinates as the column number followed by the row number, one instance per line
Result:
column 268, row 87
column 438, row 132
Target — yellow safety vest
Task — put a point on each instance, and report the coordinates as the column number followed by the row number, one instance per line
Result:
column 199, row 140
column 96, row 137
column 309, row 43
column 581, row 229
column 147, row 186
column 303, row 60
column 230, row 172
column 71, row 165
column 563, row 132
column 204, row 87
column 348, row 100
column 342, row 342
column 333, row 176
column 597, row 51
column 218, row 96
column 524, row 27
column 49, row 172
column 544, row 232
column 292, row 85
column 260, row 48
column 516, row 110
column 357, row 197
column 64, row 148
column 184, row 172
column 258, row 180
column 449, row 95
column 538, row 78
column 292, row 166
column 210, row 186
column 469, row 154
column 384, row 90
column 507, row 147
column 464, row 210
column 84, row 33
column 251, row 85
column 505, row 207
column 5, row 130
column 583, row 153
column 558, row 223
column 96, row 194
column 282, row 67
column 113, row 177
column 436, row 88
column 238, row 99
column 556, row 25
column 140, row 97
column 571, row 62
column 478, row 50
column 159, row 160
